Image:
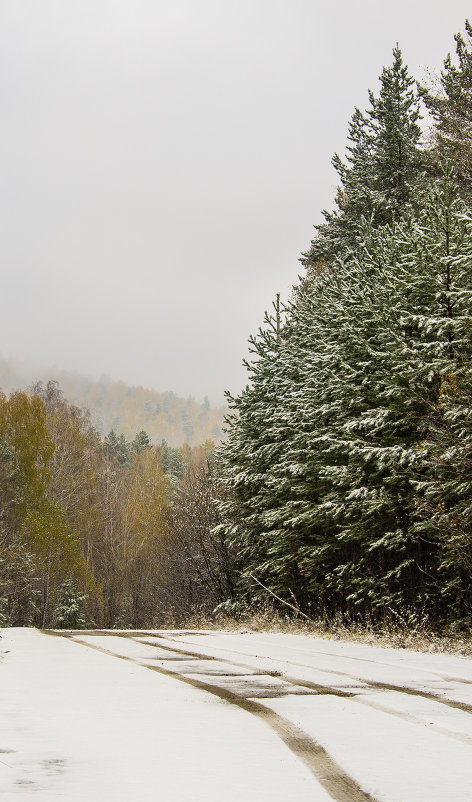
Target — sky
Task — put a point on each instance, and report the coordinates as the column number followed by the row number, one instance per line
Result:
column 163, row 163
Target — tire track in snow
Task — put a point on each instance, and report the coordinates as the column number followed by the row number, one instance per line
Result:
column 352, row 695
column 339, row 785
column 327, row 689
column 457, row 705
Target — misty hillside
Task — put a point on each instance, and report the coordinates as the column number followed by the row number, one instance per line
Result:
column 116, row 405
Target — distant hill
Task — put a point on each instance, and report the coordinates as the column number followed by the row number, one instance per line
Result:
column 126, row 409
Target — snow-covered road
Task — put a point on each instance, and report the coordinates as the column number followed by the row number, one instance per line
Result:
column 230, row 717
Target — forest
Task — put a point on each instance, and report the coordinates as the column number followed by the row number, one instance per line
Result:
column 126, row 409
column 101, row 531
column 343, row 485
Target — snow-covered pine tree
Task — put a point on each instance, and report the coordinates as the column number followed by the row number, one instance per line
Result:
column 384, row 164
column 19, row 584
column 257, row 430
column 444, row 501
column 444, row 490
column 328, row 448
column 396, row 157
column 389, row 332
column 69, row 612
column 117, row 446
column 141, row 442
column 450, row 104
column 339, row 233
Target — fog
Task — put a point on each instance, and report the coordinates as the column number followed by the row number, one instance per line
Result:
column 163, row 164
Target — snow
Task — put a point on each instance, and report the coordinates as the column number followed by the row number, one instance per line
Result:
column 83, row 717
column 402, row 667
column 77, row 724
column 398, row 746
column 394, row 763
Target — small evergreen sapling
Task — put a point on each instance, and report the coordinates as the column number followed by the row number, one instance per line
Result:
column 69, row 612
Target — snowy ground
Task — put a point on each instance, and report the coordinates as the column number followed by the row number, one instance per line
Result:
column 233, row 717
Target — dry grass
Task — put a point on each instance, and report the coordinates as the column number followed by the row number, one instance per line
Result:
column 401, row 635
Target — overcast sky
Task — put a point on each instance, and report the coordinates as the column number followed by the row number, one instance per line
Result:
column 163, row 163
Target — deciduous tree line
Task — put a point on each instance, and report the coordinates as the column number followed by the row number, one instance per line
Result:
column 101, row 533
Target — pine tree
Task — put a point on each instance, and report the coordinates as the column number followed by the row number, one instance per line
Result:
column 444, row 501
column 327, row 449
column 69, row 609
column 257, row 429
column 173, row 462
column 384, row 166
column 396, row 158
column 444, row 490
column 118, row 446
column 140, row 442
column 451, row 107
column 18, row 583
column 392, row 314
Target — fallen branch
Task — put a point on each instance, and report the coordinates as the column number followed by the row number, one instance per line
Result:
column 282, row 601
